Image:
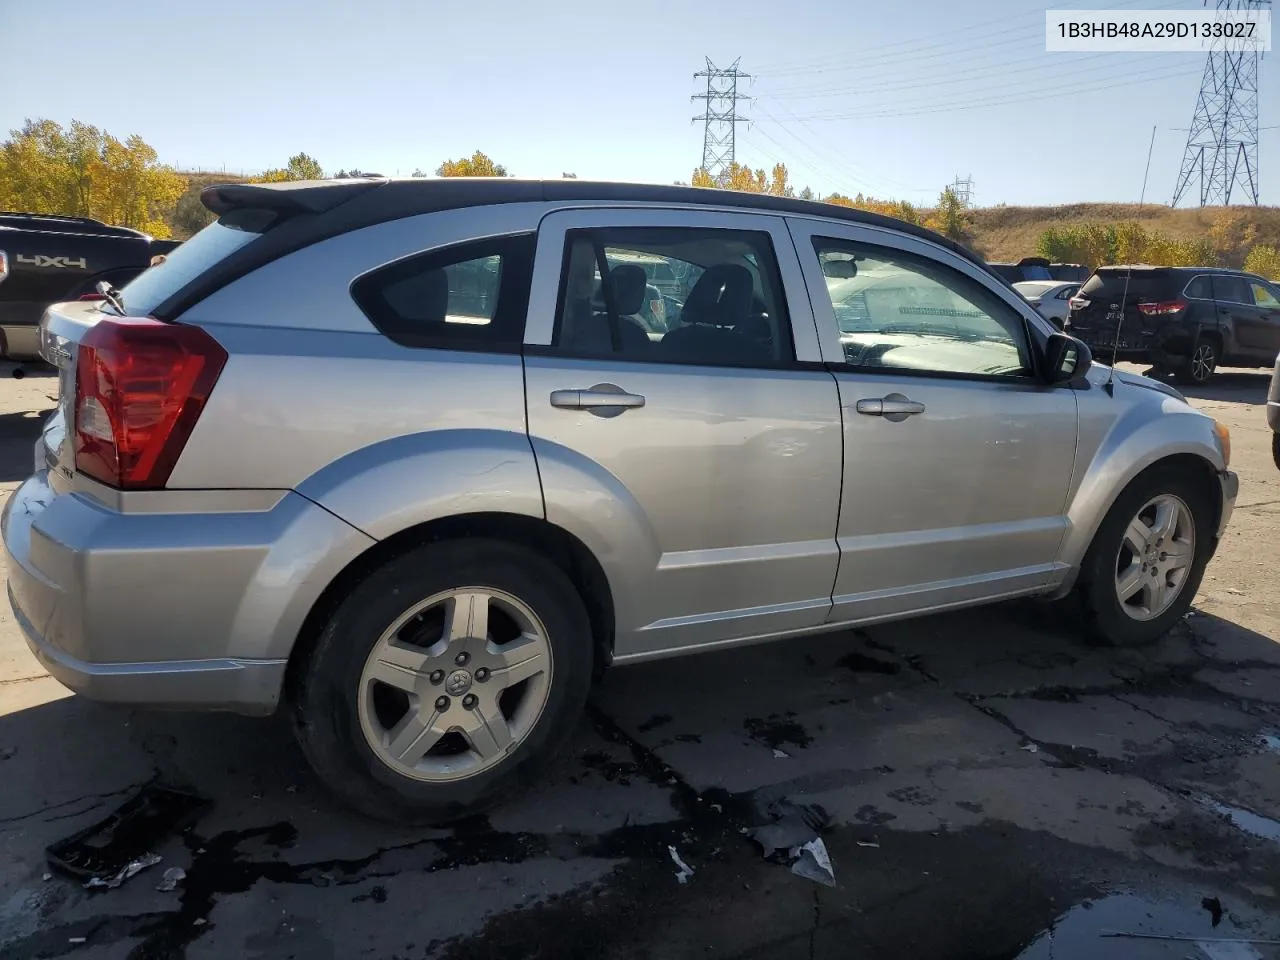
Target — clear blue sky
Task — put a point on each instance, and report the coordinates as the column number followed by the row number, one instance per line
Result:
column 887, row 98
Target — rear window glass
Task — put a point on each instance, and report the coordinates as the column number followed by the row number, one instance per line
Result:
column 1034, row 272
column 473, row 296
column 214, row 243
column 1142, row 284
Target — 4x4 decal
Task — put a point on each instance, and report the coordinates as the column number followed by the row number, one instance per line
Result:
column 60, row 263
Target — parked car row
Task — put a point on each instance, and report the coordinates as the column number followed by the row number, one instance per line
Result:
column 1185, row 321
column 45, row 259
column 852, row 420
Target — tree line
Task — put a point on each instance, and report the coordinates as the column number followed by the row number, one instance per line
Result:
column 81, row 170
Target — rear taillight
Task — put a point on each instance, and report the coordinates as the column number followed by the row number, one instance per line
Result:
column 140, row 387
column 4, row 265
column 1160, row 308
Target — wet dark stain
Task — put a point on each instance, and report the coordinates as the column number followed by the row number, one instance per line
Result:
column 912, row 795
column 777, row 730
column 861, row 663
column 377, row 893
column 970, row 806
column 1214, row 906
column 654, row 722
column 612, row 769
column 869, row 814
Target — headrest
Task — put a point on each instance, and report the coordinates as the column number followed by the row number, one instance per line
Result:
column 722, row 296
column 629, row 283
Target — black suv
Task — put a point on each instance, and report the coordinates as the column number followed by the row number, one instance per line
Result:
column 44, row 259
column 1181, row 320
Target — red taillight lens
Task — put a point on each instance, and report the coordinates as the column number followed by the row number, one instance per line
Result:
column 140, row 387
column 1161, row 308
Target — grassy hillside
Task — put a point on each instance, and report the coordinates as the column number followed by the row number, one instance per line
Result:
column 1010, row 233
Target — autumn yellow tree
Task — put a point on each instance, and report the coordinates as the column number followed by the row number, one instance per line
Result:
column 299, row 167
column 745, row 180
column 1264, row 260
column 888, row 208
column 86, row 172
column 476, row 165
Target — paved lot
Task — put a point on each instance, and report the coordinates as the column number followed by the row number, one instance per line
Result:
column 986, row 785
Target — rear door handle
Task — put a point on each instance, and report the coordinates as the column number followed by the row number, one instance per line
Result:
column 893, row 407
column 603, row 399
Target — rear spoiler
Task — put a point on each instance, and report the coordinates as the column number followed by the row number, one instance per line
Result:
column 288, row 198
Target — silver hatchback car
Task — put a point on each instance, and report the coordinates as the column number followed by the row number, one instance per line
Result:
column 396, row 454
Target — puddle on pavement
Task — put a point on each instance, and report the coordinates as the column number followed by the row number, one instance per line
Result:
column 1082, row 932
column 1251, row 823
column 136, row 829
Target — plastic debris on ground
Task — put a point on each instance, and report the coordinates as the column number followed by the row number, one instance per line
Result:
column 792, row 839
column 685, row 871
column 814, row 863
column 1030, row 748
column 112, row 851
column 780, row 754
column 172, row 877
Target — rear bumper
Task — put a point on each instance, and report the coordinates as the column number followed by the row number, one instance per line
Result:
column 181, row 609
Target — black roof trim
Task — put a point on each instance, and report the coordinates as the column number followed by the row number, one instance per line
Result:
column 319, row 209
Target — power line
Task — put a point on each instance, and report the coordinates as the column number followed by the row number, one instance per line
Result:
column 720, row 117
column 1222, row 144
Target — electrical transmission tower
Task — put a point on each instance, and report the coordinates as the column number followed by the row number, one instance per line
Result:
column 963, row 189
column 1222, row 144
column 720, row 117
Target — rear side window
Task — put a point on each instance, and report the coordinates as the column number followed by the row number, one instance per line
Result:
column 1200, row 289
column 236, row 229
column 472, row 296
column 1231, row 289
column 1265, row 295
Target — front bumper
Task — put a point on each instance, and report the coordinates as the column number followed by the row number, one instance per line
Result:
column 1230, row 484
column 180, row 609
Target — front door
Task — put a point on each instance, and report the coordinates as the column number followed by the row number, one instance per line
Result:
column 1266, row 301
column 699, row 460
column 957, row 459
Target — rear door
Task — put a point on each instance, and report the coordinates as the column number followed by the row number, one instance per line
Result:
column 1266, row 298
column 703, row 465
column 957, row 460
column 1253, row 336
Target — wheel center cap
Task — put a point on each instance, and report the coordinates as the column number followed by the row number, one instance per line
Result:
column 457, row 683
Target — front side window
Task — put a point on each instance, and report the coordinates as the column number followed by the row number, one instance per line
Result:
column 1264, row 295
column 470, row 296
column 900, row 312
column 730, row 311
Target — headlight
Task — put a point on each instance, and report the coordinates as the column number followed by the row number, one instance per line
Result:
column 1224, row 438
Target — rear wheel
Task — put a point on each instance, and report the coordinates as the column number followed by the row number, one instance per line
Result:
column 1275, row 449
column 1147, row 559
column 444, row 681
column 1201, row 364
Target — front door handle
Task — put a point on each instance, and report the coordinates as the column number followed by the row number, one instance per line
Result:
column 893, row 407
column 602, row 399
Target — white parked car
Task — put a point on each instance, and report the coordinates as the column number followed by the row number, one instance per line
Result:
column 1049, row 297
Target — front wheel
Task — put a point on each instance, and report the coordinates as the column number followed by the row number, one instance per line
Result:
column 1147, row 559
column 1200, row 365
column 1275, row 449
column 444, row 680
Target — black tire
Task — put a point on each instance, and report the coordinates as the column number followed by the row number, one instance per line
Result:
column 1105, row 619
column 1275, row 449
column 325, row 687
column 1200, row 366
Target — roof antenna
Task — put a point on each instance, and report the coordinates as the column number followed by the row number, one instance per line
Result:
column 1110, row 385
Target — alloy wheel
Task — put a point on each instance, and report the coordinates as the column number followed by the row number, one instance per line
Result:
column 1203, row 361
column 455, row 684
column 1155, row 557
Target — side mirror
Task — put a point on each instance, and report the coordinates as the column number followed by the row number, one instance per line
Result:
column 1065, row 358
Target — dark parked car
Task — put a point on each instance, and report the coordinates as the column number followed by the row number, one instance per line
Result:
column 1181, row 320
column 1273, row 412
column 1039, row 268
column 46, row 259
